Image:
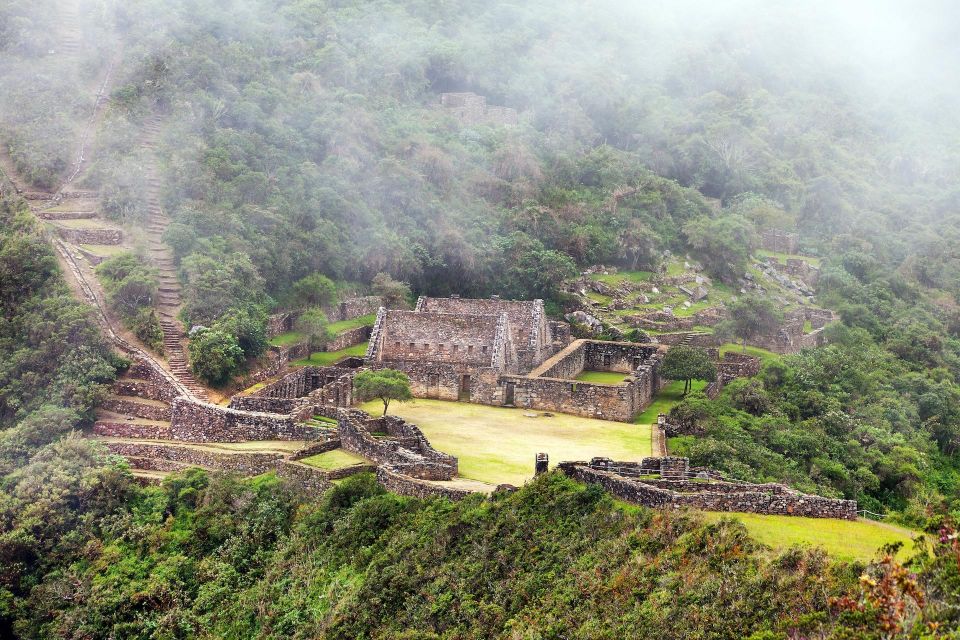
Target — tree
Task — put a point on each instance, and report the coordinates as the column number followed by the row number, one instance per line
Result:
column 313, row 324
column 314, row 290
column 248, row 326
column 722, row 244
column 214, row 355
column 395, row 294
column 688, row 363
column 385, row 384
column 751, row 317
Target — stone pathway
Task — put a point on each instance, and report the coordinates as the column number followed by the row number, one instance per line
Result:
column 168, row 300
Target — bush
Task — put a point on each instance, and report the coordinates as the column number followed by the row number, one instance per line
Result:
column 214, row 355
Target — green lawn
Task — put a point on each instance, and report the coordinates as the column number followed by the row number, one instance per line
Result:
column 324, row 358
column 286, row 339
column 668, row 396
column 293, row 337
column 858, row 540
column 499, row 444
column 764, row 355
column 623, row 276
column 602, row 377
column 336, row 459
column 346, row 325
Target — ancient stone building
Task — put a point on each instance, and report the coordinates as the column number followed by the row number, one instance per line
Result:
column 779, row 240
column 504, row 352
column 470, row 108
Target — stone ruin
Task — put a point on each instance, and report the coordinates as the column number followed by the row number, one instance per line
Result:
column 470, row 108
column 779, row 241
column 505, row 353
column 669, row 482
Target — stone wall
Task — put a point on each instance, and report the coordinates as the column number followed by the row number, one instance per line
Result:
column 279, row 323
column 437, row 337
column 310, row 479
column 404, row 447
column 348, row 339
column 130, row 407
column 404, row 485
column 244, row 463
column 737, row 365
column 198, row 421
column 118, row 429
column 90, row 236
column 779, row 240
column 529, row 332
column 144, row 389
column 711, row 495
column 354, row 308
column 693, row 339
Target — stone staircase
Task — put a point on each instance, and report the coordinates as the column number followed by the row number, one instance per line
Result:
column 168, row 300
column 69, row 40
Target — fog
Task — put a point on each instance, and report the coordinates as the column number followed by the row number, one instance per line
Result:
column 319, row 122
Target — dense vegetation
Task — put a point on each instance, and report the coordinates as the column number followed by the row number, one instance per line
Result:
column 131, row 285
column 304, row 154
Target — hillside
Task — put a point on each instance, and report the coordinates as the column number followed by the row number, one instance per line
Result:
column 212, row 214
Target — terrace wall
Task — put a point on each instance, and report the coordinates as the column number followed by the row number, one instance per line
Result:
column 198, row 421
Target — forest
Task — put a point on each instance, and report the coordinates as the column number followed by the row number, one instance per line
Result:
column 302, row 138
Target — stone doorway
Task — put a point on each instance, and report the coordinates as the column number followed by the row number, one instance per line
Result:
column 464, row 394
column 433, row 386
column 509, row 391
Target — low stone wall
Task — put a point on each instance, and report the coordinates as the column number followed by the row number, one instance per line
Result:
column 138, row 409
column 143, row 370
column 279, row 323
column 131, row 430
column 249, row 464
column 310, row 479
column 349, row 338
column 90, row 236
column 737, row 365
column 333, row 442
column 702, row 340
column 712, row 496
column 354, row 308
column 406, row 448
column 144, row 389
column 404, row 485
column 197, row 421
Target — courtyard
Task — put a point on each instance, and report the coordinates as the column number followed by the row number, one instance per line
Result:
column 499, row 444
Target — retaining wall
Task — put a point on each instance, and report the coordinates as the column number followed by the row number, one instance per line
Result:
column 404, row 485
column 198, row 421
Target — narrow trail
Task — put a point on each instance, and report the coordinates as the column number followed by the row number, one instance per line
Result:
column 168, row 301
column 73, row 215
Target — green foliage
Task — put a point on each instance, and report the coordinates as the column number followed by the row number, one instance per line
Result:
column 750, row 317
column 215, row 356
column 383, row 384
column 688, row 364
column 314, row 290
column 395, row 295
column 217, row 283
column 313, row 325
column 249, row 327
column 51, row 351
column 131, row 286
column 723, row 244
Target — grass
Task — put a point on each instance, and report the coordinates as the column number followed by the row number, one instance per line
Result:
column 105, row 250
column 286, row 339
column 602, row 377
column 665, row 400
column 623, row 276
column 336, row 459
column 324, row 358
column 499, row 444
column 849, row 540
column 293, row 337
column 764, row 355
column 85, row 223
column 346, row 325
